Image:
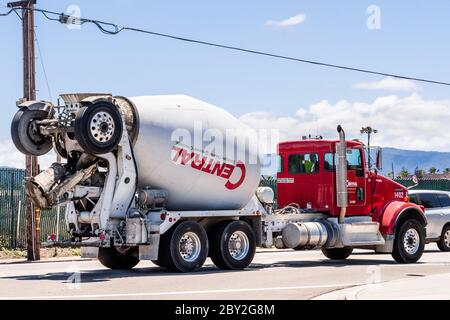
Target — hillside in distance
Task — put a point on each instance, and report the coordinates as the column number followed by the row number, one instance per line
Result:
column 411, row 159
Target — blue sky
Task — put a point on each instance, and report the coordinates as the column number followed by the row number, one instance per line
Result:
column 413, row 40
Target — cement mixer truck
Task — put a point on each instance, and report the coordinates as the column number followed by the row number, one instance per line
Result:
column 137, row 184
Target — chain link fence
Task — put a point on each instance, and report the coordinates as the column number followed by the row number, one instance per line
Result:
column 13, row 224
column 427, row 184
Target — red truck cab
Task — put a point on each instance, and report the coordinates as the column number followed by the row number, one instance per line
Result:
column 307, row 177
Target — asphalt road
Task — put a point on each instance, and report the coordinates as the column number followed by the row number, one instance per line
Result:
column 283, row 274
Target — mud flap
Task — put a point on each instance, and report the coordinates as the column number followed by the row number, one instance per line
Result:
column 150, row 252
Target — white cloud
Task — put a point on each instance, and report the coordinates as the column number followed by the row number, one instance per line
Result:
column 11, row 157
column 292, row 21
column 392, row 84
column 407, row 123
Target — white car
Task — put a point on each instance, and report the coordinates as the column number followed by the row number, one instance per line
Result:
column 437, row 211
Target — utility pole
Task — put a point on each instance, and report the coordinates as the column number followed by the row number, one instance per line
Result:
column 393, row 172
column 29, row 93
column 369, row 131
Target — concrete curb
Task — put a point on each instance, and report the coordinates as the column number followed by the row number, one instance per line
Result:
column 429, row 287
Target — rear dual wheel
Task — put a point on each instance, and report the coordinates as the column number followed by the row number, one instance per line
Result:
column 183, row 249
column 232, row 245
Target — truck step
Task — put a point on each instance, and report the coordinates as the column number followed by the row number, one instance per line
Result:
column 361, row 234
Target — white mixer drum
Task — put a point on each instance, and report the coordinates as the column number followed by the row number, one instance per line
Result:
column 190, row 149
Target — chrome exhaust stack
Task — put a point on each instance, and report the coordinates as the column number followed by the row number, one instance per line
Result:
column 341, row 175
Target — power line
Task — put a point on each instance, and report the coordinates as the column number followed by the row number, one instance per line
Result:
column 6, row 13
column 39, row 50
column 114, row 29
column 323, row 64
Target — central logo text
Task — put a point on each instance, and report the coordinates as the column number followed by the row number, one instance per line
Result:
column 210, row 165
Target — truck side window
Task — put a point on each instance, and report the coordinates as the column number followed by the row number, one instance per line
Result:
column 429, row 200
column 354, row 161
column 329, row 162
column 303, row 163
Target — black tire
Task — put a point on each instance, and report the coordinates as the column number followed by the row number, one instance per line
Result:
column 98, row 128
column 172, row 253
column 25, row 134
column 113, row 259
column 400, row 253
column 337, row 253
column 444, row 242
column 220, row 242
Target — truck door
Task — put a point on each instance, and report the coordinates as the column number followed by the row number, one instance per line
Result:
column 357, row 183
column 298, row 181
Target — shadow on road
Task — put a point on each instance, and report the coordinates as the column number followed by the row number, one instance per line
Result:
column 103, row 275
column 366, row 253
column 323, row 263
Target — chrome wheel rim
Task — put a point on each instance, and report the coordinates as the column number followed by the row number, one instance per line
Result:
column 238, row 245
column 189, row 247
column 447, row 238
column 102, row 127
column 411, row 241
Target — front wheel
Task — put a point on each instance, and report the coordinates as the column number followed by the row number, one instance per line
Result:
column 444, row 242
column 337, row 253
column 409, row 242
